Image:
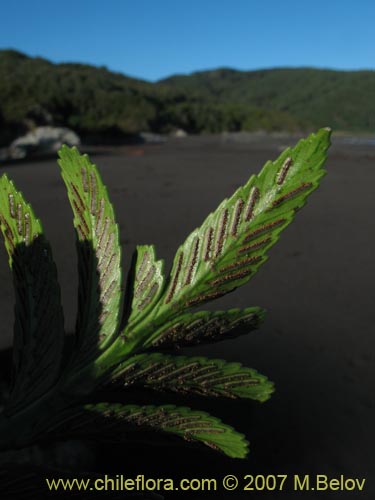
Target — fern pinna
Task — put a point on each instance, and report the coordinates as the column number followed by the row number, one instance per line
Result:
column 48, row 397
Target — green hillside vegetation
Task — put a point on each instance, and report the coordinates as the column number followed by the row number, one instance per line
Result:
column 92, row 101
column 343, row 99
column 102, row 106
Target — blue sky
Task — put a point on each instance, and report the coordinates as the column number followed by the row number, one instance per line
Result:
column 152, row 39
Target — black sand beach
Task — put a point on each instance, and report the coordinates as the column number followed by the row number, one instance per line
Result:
column 317, row 342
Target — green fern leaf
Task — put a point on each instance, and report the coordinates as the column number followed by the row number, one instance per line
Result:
column 148, row 282
column 99, row 255
column 197, row 375
column 205, row 327
column 39, row 323
column 232, row 243
column 112, row 422
column 227, row 250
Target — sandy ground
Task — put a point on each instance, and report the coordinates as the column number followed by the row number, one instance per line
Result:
column 317, row 343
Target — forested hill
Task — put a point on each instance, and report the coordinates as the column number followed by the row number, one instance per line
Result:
column 103, row 106
column 90, row 100
column 345, row 100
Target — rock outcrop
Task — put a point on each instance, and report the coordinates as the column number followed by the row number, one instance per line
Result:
column 42, row 140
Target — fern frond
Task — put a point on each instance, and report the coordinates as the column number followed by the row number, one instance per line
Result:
column 99, row 255
column 222, row 254
column 112, row 422
column 39, row 323
column 195, row 375
column 232, row 243
column 228, row 249
column 205, row 327
column 148, row 282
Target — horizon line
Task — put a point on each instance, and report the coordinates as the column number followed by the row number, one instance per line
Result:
column 187, row 73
